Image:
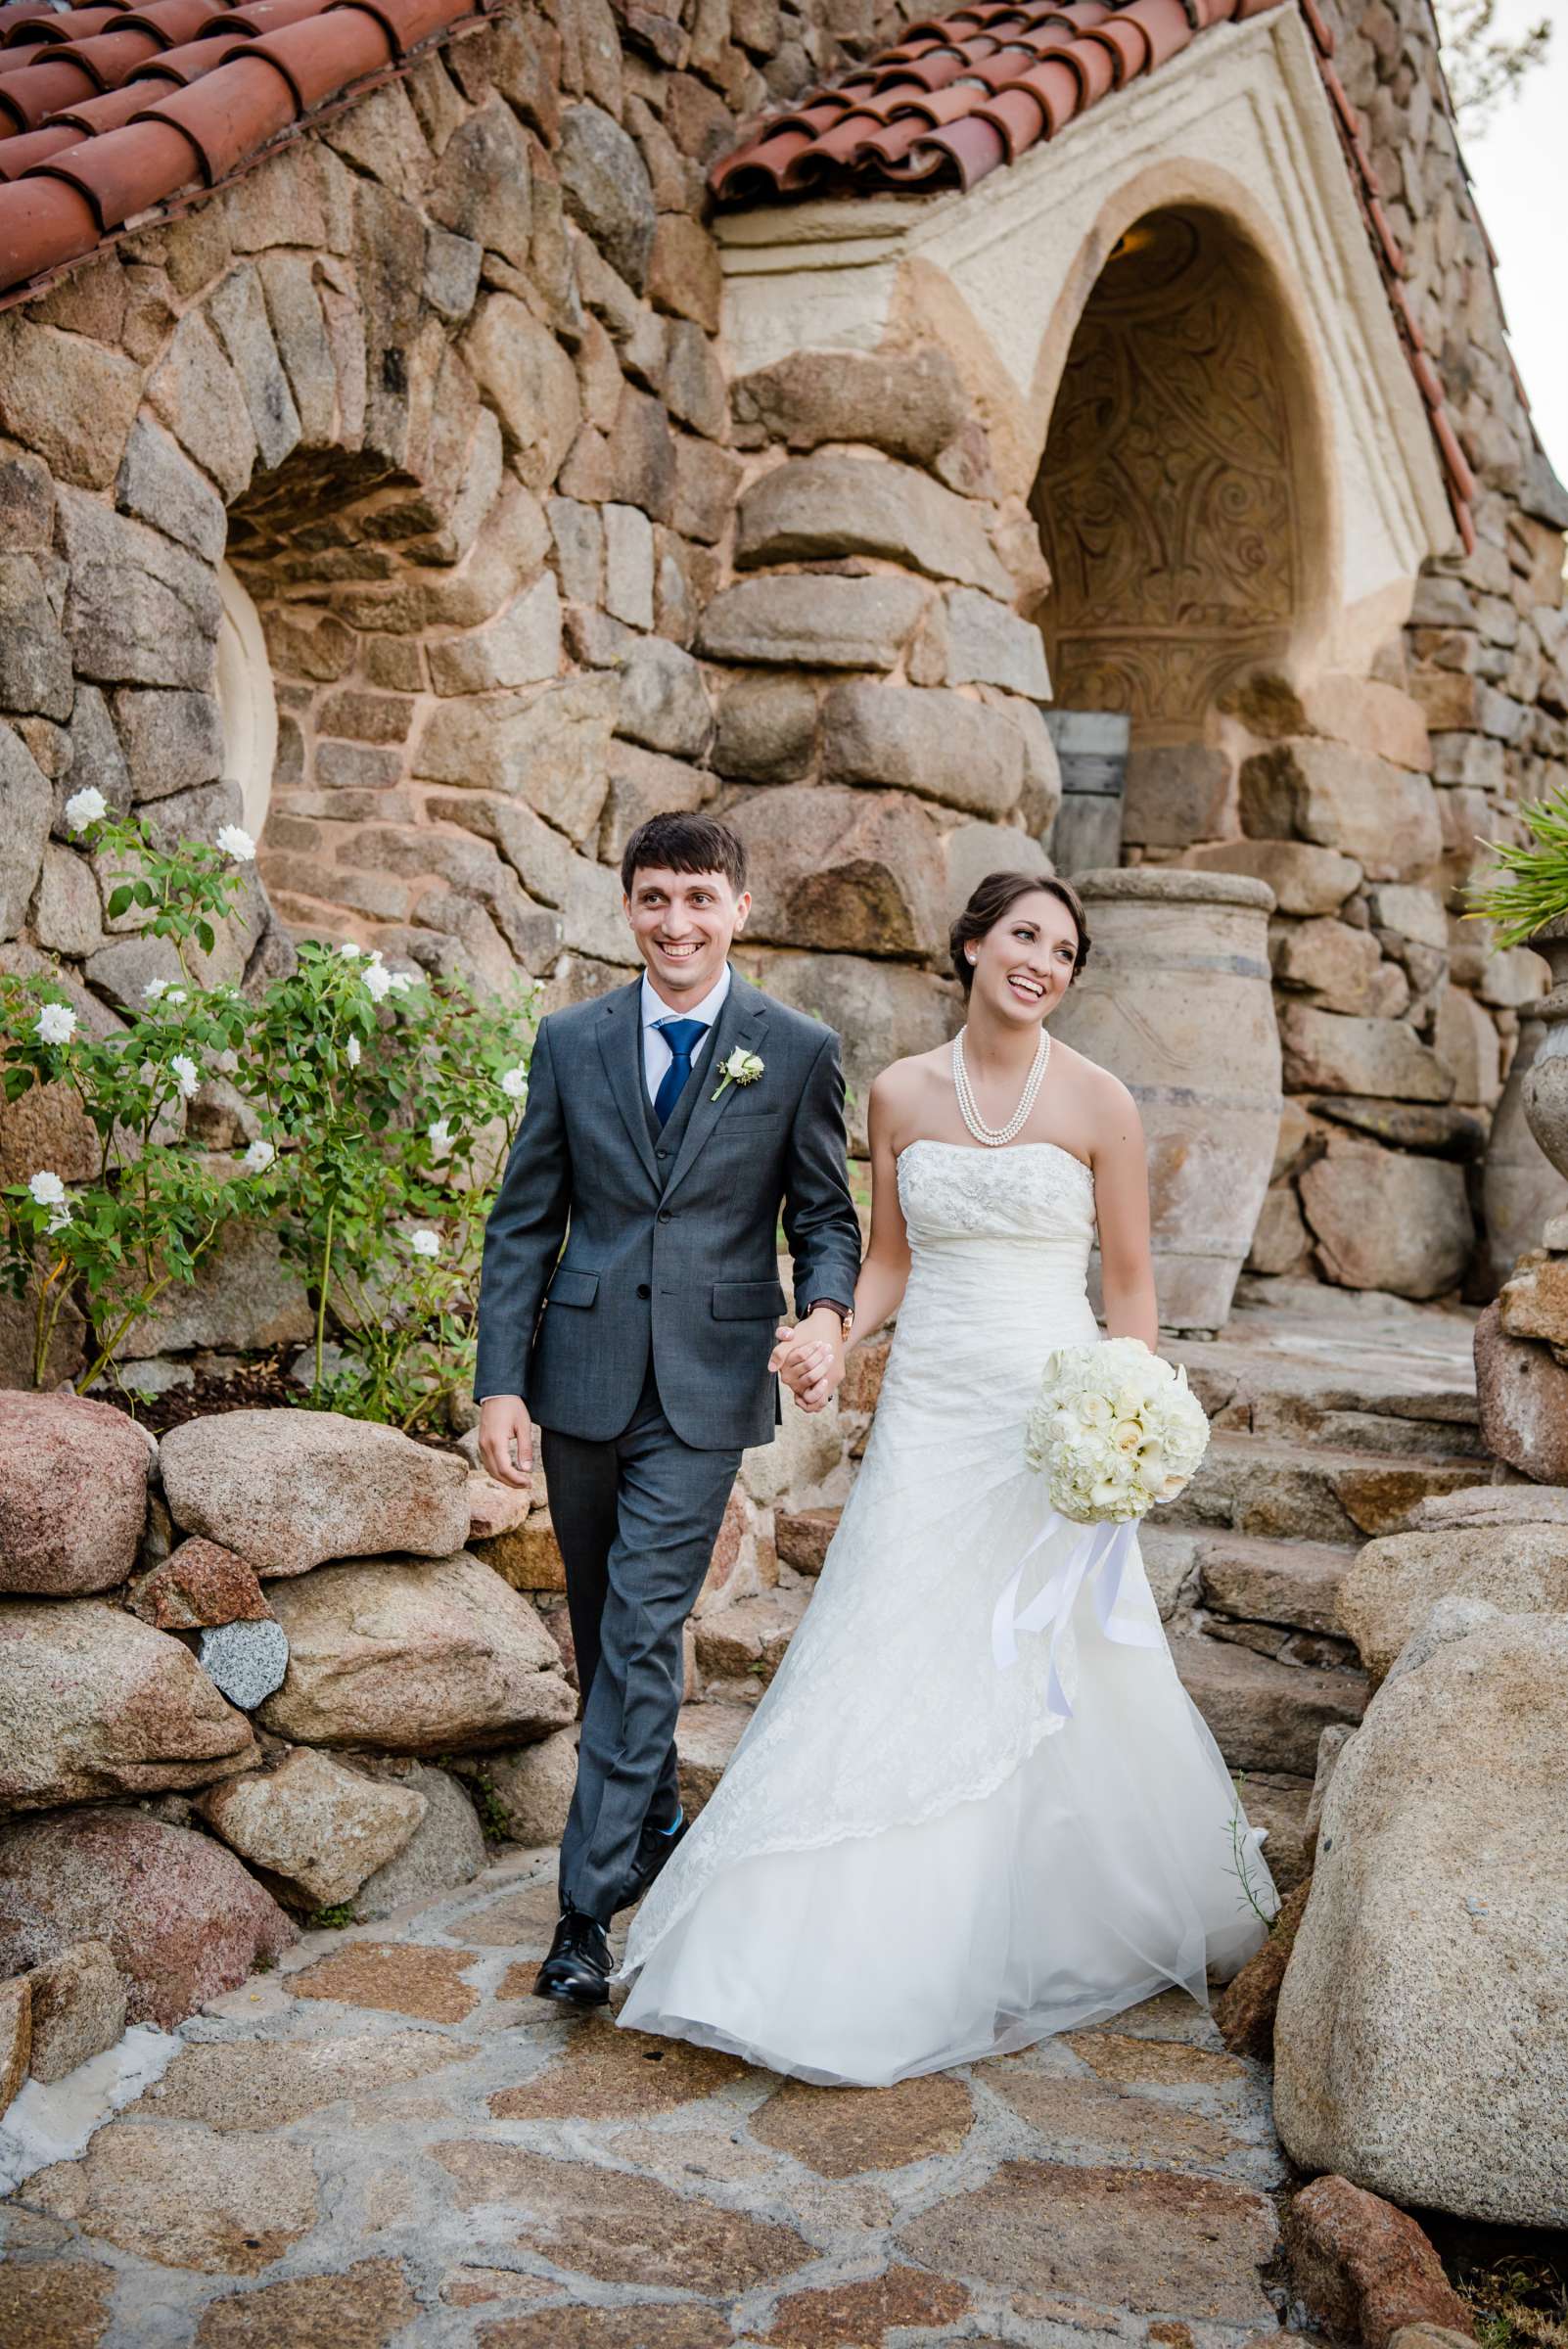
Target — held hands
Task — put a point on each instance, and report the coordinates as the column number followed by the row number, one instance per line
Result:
column 506, row 1440
column 809, row 1357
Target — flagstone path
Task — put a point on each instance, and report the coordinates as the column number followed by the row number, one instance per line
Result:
column 389, row 2145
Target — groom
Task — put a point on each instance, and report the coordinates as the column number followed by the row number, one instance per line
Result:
column 667, row 1125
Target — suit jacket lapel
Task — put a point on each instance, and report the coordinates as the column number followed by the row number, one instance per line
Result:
column 619, row 1033
column 741, row 1021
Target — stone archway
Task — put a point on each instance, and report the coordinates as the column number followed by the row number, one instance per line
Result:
column 1165, row 499
column 1175, row 505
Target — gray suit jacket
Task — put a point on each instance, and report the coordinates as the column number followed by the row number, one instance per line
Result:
column 669, row 1241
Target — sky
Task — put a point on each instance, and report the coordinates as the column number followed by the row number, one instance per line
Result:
column 1519, row 167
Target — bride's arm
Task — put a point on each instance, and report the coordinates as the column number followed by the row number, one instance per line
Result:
column 1121, row 1211
column 885, row 1272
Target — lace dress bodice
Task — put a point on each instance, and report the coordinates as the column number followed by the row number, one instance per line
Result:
column 998, row 1258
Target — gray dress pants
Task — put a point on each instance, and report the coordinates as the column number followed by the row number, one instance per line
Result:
column 636, row 1519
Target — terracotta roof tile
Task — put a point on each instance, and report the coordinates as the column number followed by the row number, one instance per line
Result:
column 108, row 112
column 19, row 155
column 125, row 171
column 58, row 31
column 31, row 94
column 177, row 67
column 960, row 95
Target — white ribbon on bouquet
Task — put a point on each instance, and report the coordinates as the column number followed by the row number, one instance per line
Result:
column 1100, row 1554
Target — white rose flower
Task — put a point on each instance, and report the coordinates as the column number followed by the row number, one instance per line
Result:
column 186, row 1074
column 377, row 982
column 85, row 806
column 515, row 1085
column 154, row 989
column 47, row 1188
column 56, row 1023
column 352, row 1052
column 425, row 1243
column 258, row 1158
column 400, row 981
column 349, row 952
column 1114, row 1430
column 441, row 1134
column 176, row 994
column 237, row 843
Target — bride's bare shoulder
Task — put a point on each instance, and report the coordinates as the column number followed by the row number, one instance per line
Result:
column 901, row 1094
column 1102, row 1098
column 908, row 1079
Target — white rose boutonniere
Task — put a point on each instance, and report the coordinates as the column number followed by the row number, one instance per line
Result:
column 741, row 1068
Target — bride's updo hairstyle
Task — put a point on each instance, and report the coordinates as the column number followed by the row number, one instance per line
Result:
column 994, row 900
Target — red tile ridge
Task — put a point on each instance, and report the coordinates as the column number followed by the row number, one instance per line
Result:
column 43, row 223
column 184, row 113
column 110, row 57
column 313, row 59
column 64, row 31
column 227, row 114
column 31, row 94
column 407, row 23
column 111, row 112
column 178, row 66
column 266, row 16
column 21, row 11
column 31, row 147
column 175, row 21
column 125, row 171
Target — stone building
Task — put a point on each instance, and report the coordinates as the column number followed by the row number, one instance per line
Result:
column 444, row 435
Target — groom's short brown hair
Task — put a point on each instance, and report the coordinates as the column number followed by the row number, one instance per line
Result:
column 684, row 844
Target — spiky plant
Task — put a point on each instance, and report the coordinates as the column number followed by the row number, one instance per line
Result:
column 1535, row 886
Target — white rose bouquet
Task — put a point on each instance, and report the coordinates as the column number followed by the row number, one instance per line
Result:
column 1114, row 1430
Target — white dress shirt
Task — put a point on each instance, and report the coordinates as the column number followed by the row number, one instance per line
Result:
column 656, row 1053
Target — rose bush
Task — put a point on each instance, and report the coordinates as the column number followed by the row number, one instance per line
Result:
column 385, row 1102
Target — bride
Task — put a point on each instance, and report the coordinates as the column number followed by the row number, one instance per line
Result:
column 916, row 1858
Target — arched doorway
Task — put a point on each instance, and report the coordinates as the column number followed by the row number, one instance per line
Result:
column 1171, row 509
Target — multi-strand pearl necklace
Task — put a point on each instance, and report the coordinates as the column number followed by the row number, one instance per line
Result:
column 996, row 1136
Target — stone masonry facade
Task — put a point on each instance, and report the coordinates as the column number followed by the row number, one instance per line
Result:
column 441, row 380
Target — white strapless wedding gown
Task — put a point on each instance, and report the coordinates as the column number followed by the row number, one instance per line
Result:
column 911, row 1860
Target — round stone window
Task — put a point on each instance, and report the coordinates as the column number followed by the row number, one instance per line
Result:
column 247, row 702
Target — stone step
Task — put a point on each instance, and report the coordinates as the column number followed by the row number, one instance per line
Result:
column 1313, row 1494
column 1301, row 1392
column 706, row 1735
column 1259, row 1581
column 1280, row 1805
column 742, row 1646
column 1264, row 1714
column 802, row 1537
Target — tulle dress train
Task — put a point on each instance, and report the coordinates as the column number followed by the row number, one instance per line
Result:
column 913, row 1861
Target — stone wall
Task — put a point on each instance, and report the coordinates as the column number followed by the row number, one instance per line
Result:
column 442, row 381
column 1467, row 709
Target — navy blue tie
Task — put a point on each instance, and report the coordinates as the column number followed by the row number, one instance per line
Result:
column 682, row 1036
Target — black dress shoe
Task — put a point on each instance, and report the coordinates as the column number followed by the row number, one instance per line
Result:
column 578, row 1967
column 654, row 1848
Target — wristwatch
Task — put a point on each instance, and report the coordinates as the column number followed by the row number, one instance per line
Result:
column 846, row 1312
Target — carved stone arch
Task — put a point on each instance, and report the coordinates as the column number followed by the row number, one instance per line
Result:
column 1184, row 505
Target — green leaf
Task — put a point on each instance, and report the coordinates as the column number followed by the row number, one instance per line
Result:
column 206, row 937
column 121, row 901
